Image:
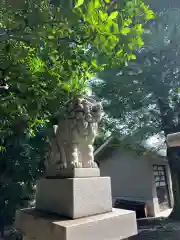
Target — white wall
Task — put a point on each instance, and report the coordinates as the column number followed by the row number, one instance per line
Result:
column 131, row 175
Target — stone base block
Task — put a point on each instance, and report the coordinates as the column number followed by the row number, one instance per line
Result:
column 116, row 225
column 72, row 173
column 74, row 197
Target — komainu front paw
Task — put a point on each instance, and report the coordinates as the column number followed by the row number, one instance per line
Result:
column 62, row 165
column 92, row 164
column 76, row 165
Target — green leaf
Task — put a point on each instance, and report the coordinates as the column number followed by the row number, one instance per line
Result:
column 79, row 3
column 97, row 4
column 113, row 15
column 140, row 42
column 103, row 15
column 127, row 22
column 125, row 31
column 139, row 29
column 131, row 45
column 94, row 63
column 2, row 148
column 51, row 37
column 132, row 56
column 67, row 87
column 115, row 28
column 150, row 15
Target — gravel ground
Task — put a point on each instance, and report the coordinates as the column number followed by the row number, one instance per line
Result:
column 163, row 229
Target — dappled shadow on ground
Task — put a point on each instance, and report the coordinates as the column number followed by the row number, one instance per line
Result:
column 162, row 229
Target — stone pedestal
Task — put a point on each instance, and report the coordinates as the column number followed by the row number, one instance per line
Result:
column 78, row 208
column 37, row 225
column 74, row 197
column 52, row 172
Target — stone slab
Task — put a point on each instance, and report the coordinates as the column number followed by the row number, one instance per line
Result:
column 74, row 197
column 116, row 225
column 73, row 173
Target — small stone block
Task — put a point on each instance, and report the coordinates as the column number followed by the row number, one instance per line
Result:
column 73, row 173
column 116, row 225
column 74, row 197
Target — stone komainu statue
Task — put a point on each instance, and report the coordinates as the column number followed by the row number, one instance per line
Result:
column 71, row 144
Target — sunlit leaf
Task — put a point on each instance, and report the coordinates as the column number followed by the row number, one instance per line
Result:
column 113, row 15
column 103, row 15
column 78, row 3
column 125, row 31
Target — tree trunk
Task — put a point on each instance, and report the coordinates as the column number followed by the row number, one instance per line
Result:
column 173, row 155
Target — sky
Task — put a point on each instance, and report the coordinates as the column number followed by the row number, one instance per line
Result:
column 157, row 143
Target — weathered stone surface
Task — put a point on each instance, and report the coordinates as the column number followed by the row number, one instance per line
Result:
column 71, row 140
column 74, row 197
column 73, row 173
column 116, row 225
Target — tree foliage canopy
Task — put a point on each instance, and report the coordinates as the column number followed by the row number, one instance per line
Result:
column 146, row 92
column 48, row 51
